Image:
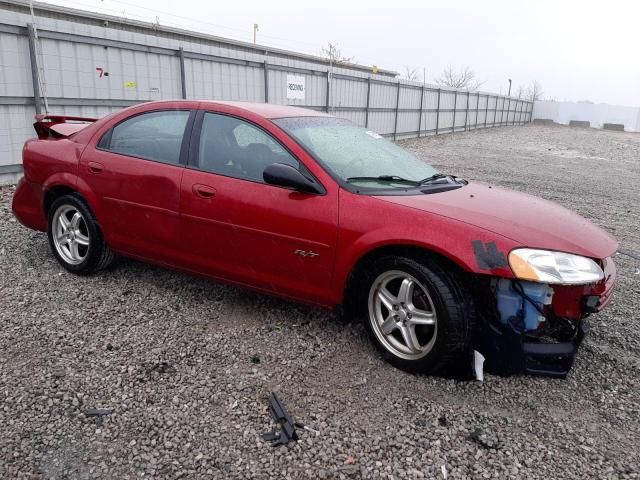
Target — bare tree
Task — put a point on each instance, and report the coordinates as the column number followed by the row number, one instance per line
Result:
column 410, row 73
column 465, row 78
column 333, row 53
column 534, row 91
column 520, row 92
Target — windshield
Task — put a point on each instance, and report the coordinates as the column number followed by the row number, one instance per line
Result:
column 355, row 154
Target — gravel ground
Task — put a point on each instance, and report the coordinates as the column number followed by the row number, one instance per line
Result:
column 185, row 365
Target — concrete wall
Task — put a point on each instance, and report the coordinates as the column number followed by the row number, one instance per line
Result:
column 596, row 114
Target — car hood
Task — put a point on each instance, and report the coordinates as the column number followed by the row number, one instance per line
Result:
column 525, row 219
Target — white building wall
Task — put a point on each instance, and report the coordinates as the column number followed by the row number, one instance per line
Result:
column 596, row 114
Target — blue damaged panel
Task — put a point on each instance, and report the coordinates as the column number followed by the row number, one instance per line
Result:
column 518, row 307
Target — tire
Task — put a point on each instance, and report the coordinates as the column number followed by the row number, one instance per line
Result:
column 79, row 246
column 434, row 293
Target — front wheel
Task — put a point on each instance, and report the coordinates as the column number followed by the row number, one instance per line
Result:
column 418, row 315
column 75, row 237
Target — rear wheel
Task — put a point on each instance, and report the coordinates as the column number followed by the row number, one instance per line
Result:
column 74, row 236
column 418, row 315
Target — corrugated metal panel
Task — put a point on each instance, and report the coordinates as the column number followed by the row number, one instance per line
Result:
column 408, row 121
column 348, row 93
column 381, row 122
column 16, row 127
column 70, row 72
column 15, row 74
column 383, row 96
column 217, row 81
column 410, row 98
column 356, row 117
column 147, row 67
column 91, row 111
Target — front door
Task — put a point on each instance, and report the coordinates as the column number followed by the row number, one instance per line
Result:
column 239, row 228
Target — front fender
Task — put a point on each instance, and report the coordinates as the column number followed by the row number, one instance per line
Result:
column 471, row 248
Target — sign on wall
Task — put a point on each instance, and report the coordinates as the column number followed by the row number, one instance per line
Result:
column 295, row 87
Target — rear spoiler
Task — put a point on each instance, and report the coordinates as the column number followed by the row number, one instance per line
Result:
column 59, row 126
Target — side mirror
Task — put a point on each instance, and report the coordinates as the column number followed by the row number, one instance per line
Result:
column 285, row 175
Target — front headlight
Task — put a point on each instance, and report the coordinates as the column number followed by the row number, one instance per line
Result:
column 553, row 267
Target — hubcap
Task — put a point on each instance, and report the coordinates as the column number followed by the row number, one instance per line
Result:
column 70, row 234
column 402, row 315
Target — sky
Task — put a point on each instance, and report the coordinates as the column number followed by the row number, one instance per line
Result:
column 576, row 50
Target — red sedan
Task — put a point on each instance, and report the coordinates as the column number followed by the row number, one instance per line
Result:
column 307, row 206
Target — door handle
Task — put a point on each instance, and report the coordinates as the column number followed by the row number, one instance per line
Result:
column 203, row 191
column 95, row 167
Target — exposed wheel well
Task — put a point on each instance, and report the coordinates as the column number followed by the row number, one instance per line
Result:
column 413, row 252
column 53, row 193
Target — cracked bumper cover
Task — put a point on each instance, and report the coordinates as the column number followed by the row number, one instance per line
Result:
column 509, row 351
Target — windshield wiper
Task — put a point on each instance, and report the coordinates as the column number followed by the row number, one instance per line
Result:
column 433, row 178
column 385, row 178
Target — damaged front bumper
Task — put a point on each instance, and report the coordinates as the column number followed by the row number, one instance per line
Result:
column 508, row 352
column 537, row 328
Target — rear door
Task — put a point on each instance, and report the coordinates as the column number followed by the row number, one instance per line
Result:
column 237, row 227
column 135, row 171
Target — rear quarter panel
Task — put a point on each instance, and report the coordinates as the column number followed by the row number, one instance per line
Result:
column 47, row 164
column 51, row 162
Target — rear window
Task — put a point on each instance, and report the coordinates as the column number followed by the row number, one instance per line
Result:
column 152, row 136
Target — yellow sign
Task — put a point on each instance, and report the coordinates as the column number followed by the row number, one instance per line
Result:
column 374, row 69
column 131, row 84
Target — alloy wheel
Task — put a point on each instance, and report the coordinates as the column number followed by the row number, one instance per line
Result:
column 402, row 315
column 70, row 234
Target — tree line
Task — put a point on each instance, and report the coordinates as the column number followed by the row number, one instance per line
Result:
column 463, row 78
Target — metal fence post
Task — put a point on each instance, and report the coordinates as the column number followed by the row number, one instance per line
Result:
column 509, row 111
column 502, row 110
column 455, row 105
column 438, row 112
column 515, row 109
column 183, row 75
column 514, row 112
column 395, row 127
column 37, row 99
column 495, row 113
column 266, row 82
column 475, row 123
column 532, row 103
column 328, row 100
column 520, row 113
column 420, row 113
column 366, row 112
column 486, row 110
column 466, row 114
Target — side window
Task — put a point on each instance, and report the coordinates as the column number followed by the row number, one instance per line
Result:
column 235, row 148
column 153, row 136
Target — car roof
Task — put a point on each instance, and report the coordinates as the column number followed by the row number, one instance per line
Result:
column 265, row 110
column 270, row 110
